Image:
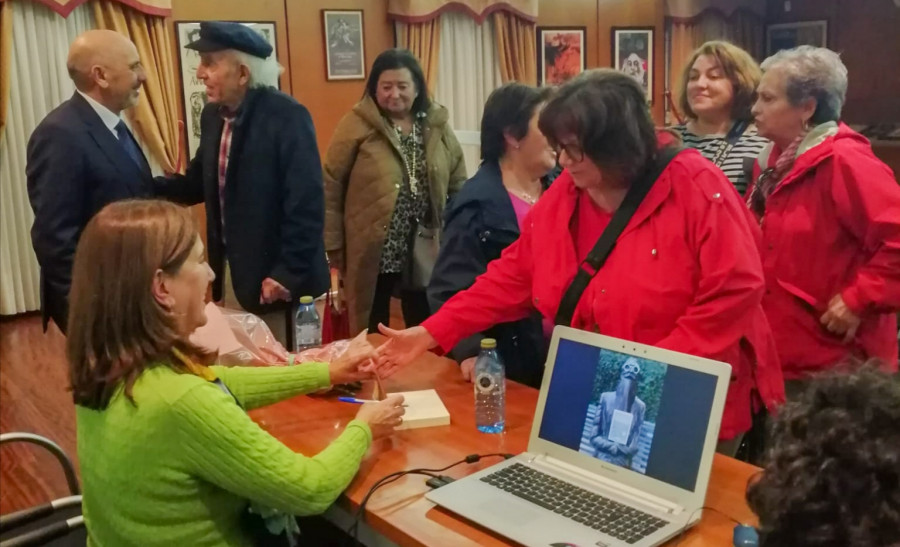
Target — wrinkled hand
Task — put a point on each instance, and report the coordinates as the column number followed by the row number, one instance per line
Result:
column 402, row 347
column 840, row 320
column 336, row 259
column 467, row 368
column 351, row 365
column 382, row 416
column 273, row 291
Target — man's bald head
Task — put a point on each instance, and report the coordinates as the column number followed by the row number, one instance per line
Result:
column 105, row 65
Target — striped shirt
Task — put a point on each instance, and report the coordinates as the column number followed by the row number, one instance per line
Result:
column 748, row 146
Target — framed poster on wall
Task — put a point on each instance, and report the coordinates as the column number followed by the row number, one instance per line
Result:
column 345, row 54
column 560, row 54
column 791, row 35
column 193, row 92
column 632, row 53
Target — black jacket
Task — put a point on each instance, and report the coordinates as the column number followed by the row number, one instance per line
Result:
column 274, row 206
column 479, row 223
column 75, row 167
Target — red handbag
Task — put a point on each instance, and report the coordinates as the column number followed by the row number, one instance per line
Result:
column 336, row 320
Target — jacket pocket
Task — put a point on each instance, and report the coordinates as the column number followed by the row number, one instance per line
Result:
column 812, row 303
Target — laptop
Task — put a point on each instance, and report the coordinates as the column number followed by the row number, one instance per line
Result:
column 620, row 450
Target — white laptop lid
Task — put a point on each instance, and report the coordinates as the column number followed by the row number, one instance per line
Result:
column 671, row 425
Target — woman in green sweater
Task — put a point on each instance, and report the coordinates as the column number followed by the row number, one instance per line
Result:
column 168, row 454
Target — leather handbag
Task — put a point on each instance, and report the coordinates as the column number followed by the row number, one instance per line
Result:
column 425, row 242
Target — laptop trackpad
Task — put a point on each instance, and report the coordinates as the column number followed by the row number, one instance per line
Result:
column 499, row 511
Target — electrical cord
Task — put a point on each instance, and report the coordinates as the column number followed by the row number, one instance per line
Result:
column 686, row 524
column 353, row 529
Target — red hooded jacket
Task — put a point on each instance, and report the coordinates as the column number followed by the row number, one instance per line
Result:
column 684, row 275
column 832, row 226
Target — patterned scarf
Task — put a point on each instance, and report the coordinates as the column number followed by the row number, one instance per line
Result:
column 768, row 180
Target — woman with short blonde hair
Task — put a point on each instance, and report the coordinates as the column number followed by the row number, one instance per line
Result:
column 718, row 86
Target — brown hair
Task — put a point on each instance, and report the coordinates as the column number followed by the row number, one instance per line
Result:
column 739, row 67
column 607, row 111
column 116, row 327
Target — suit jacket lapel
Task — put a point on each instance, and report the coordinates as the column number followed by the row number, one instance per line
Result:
column 135, row 177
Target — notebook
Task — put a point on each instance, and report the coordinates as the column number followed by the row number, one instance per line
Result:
column 424, row 409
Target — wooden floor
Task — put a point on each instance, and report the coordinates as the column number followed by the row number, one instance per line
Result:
column 35, row 398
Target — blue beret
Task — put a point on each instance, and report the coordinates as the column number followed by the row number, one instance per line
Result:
column 219, row 35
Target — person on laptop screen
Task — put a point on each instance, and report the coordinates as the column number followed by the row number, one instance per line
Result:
column 619, row 419
column 684, row 273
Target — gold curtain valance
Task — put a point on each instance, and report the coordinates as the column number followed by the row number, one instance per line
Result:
column 420, row 11
column 159, row 8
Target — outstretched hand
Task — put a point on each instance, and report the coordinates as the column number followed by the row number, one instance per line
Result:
column 402, row 347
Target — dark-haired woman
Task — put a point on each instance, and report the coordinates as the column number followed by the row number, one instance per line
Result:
column 393, row 162
column 487, row 216
column 684, row 274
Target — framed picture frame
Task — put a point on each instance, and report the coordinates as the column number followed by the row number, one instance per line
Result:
column 193, row 92
column 560, row 55
column 632, row 53
column 345, row 52
column 790, row 35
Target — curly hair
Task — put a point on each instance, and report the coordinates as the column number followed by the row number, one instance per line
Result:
column 832, row 476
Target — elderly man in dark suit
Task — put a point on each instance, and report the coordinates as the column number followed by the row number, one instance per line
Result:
column 258, row 170
column 82, row 157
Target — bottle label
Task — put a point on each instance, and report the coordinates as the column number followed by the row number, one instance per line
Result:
column 485, row 382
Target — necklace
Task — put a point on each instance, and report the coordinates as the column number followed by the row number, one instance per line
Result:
column 410, row 166
column 526, row 197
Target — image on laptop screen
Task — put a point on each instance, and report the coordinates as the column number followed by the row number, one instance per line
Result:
column 633, row 412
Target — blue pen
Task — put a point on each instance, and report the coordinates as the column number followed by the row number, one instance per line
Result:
column 356, row 401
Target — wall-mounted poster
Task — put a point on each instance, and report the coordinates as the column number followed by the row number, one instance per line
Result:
column 632, row 53
column 560, row 54
column 345, row 56
column 791, row 35
column 193, row 91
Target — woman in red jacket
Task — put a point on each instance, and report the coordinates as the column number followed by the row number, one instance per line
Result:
column 684, row 274
column 830, row 217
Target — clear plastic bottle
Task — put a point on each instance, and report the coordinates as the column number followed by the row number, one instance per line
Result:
column 307, row 329
column 490, row 389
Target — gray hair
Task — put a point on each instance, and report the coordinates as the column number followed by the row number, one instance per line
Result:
column 263, row 72
column 813, row 73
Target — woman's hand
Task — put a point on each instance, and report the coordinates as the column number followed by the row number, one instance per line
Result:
column 467, row 368
column 382, row 416
column 348, row 367
column 840, row 320
column 402, row 347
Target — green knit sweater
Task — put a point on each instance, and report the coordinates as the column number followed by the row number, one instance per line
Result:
column 180, row 466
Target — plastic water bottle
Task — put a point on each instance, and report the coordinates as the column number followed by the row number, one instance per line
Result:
column 490, row 389
column 307, row 331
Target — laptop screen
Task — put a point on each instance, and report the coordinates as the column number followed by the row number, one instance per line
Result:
column 633, row 412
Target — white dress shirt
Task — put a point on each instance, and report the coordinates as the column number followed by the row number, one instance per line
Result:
column 110, row 119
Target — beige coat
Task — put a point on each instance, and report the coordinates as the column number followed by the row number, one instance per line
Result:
column 363, row 173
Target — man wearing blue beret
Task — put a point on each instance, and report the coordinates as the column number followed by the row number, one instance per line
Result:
column 258, row 170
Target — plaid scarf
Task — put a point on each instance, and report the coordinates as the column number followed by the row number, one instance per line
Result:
column 768, row 180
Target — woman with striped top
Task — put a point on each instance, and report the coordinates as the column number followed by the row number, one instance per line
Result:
column 717, row 90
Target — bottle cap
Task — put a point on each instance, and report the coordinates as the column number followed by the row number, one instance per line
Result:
column 306, row 300
column 488, row 343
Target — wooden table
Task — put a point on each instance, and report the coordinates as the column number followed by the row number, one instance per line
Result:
column 400, row 511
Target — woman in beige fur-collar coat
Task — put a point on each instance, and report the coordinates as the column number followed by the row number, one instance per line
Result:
column 393, row 160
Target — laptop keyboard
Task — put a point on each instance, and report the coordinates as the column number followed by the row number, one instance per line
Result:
column 600, row 513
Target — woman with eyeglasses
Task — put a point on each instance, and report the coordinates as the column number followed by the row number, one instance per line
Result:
column 830, row 216
column 683, row 275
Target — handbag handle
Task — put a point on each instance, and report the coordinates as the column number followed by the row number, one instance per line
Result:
column 607, row 240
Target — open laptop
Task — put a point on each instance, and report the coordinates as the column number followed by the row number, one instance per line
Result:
column 620, row 450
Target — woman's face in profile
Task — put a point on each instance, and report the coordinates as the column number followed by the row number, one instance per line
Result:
column 535, row 149
column 396, row 91
column 188, row 290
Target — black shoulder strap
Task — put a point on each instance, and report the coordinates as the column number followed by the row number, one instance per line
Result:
column 734, row 135
column 595, row 259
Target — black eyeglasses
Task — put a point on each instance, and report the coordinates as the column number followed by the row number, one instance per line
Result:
column 573, row 151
